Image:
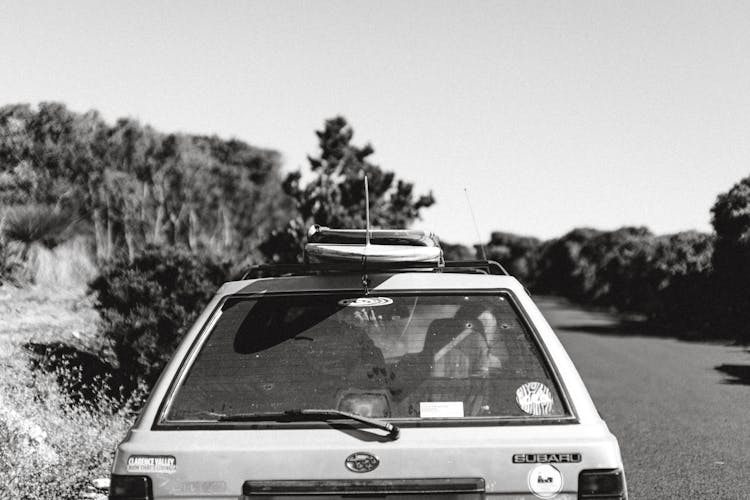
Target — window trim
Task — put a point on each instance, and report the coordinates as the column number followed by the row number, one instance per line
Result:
column 571, row 417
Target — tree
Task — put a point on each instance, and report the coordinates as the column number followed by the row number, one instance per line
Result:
column 457, row 251
column 600, row 267
column 335, row 197
column 621, row 261
column 559, row 264
column 39, row 154
column 518, row 254
column 134, row 186
column 680, row 276
column 731, row 259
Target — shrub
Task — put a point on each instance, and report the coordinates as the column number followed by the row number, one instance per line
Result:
column 681, row 278
column 516, row 253
column 618, row 267
column 559, row 264
column 50, row 447
column 37, row 224
column 605, row 268
column 84, row 377
column 148, row 305
column 456, row 251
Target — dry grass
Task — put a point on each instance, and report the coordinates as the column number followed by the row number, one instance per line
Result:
column 68, row 265
column 49, row 447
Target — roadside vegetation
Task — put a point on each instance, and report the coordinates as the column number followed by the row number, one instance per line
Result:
column 695, row 285
column 112, row 240
column 114, row 237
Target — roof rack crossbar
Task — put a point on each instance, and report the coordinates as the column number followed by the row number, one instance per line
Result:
column 490, row 266
column 275, row 270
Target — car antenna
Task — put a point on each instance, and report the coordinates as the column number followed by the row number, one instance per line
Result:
column 365, row 278
column 367, row 212
column 476, row 228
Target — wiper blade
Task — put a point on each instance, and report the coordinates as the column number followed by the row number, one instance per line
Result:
column 313, row 414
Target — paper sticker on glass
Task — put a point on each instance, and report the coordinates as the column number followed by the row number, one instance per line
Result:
column 534, row 398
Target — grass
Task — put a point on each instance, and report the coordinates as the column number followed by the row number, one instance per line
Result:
column 49, row 446
column 68, row 264
column 37, row 224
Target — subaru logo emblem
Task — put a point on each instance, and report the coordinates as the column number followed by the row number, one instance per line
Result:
column 361, row 462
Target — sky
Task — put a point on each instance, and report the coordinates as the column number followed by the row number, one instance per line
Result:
column 548, row 115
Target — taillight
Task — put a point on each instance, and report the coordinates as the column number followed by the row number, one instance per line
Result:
column 130, row 488
column 602, row 484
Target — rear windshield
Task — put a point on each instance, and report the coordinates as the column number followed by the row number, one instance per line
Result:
column 388, row 356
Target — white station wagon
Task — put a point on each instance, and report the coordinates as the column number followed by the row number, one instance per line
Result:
column 375, row 370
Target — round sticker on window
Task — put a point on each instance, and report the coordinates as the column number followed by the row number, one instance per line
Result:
column 545, row 481
column 534, row 398
column 366, row 302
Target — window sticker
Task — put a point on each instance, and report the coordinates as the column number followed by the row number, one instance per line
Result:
column 534, row 398
column 366, row 302
column 441, row 409
column 545, row 481
column 149, row 463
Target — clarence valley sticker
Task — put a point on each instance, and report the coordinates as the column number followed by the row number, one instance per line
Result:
column 163, row 464
column 534, row 398
column 366, row 302
column 545, row 481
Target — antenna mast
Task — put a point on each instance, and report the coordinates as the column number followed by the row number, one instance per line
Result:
column 476, row 228
column 367, row 213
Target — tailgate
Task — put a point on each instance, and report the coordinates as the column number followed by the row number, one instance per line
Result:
column 438, row 462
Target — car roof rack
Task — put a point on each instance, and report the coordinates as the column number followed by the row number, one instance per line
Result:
column 312, row 269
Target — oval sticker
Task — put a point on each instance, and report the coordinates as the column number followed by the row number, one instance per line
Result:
column 361, row 462
column 534, row 398
column 366, row 302
column 545, row 481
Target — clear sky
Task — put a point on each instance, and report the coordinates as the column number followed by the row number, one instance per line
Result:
column 551, row 114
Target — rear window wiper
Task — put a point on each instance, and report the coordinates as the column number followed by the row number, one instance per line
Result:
column 312, row 414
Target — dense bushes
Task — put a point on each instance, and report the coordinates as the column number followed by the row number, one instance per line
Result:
column 148, row 305
column 680, row 278
column 559, row 265
column 691, row 282
column 666, row 278
column 613, row 268
column 456, row 251
column 731, row 258
column 669, row 279
column 51, row 447
column 516, row 253
column 597, row 267
column 130, row 185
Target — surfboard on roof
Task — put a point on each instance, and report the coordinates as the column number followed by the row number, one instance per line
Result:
column 380, row 245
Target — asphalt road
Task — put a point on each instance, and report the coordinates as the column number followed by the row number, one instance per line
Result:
column 680, row 410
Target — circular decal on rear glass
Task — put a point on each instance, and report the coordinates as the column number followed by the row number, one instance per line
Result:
column 534, row 398
column 366, row 302
column 545, row 481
